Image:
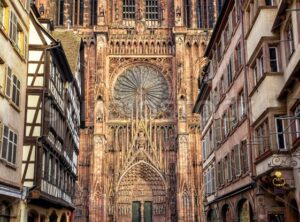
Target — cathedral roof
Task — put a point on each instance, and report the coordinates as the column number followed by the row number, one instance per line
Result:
column 71, row 43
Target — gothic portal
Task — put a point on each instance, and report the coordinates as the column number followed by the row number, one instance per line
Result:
column 140, row 152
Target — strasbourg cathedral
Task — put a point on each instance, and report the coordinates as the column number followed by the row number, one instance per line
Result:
column 140, row 151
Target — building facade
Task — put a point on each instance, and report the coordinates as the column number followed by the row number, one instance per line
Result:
column 262, row 170
column 272, row 58
column 52, row 122
column 222, row 103
column 140, row 153
column 14, row 17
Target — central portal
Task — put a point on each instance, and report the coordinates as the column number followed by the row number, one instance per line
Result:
column 142, row 212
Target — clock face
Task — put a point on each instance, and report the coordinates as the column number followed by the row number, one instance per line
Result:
column 141, row 89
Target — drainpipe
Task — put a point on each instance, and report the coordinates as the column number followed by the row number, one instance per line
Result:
column 248, row 107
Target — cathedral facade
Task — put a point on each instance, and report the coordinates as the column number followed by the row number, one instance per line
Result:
column 140, row 151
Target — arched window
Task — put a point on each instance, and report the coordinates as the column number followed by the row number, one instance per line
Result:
column 4, row 212
column 94, row 6
column 128, row 9
column 151, row 10
column 187, row 13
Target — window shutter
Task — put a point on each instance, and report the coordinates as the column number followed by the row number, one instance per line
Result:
column 232, row 66
column 204, row 149
column 233, row 170
column 5, row 142
column 222, row 172
column 205, row 183
column 8, row 85
column 218, row 131
column 213, row 180
column 229, row 167
column 234, row 112
column 237, row 159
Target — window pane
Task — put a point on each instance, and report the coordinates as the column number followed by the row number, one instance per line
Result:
column 280, row 133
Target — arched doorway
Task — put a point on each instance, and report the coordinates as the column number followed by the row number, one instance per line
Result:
column 226, row 214
column 141, row 195
column 53, row 217
column 63, row 218
column 212, row 216
column 32, row 216
column 244, row 211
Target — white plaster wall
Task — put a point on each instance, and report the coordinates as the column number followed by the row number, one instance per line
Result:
column 261, row 28
column 269, row 89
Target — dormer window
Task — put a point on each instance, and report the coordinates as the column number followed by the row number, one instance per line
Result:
column 128, row 9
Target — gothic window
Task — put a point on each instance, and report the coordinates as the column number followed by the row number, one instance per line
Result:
column 60, row 12
column 94, row 5
column 211, row 14
column 128, row 9
column 78, row 12
column 151, row 9
column 199, row 14
column 219, row 6
column 187, row 13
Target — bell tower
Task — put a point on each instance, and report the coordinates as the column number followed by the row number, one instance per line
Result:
column 140, row 153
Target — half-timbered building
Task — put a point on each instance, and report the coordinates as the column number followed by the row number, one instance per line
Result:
column 51, row 135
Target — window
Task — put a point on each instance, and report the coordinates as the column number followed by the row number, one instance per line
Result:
column 60, row 12
column 78, row 12
column 258, row 69
column 211, row 14
column 151, row 9
column 238, row 57
column 16, row 34
column 187, row 13
column 296, row 128
column 94, row 9
column 4, row 212
column 263, row 141
column 43, row 163
column 270, row 2
column 50, row 165
column 241, row 104
column 128, row 9
column 290, row 39
column 209, row 180
column 4, row 11
column 273, row 59
column 229, row 72
column 13, row 86
column 199, row 14
column 280, row 132
column 220, row 5
column 9, row 145
column 225, row 125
